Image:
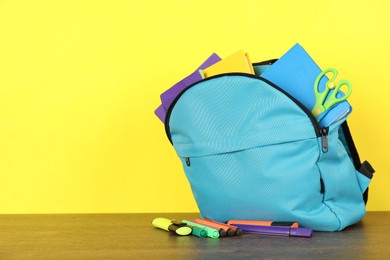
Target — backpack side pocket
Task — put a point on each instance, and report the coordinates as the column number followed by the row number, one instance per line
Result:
column 343, row 194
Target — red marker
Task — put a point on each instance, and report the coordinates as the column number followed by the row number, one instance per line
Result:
column 264, row 223
column 226, row 230
column 237, row 231
column 222, row 232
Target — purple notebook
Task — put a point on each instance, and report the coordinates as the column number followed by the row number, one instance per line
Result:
column 168, row 96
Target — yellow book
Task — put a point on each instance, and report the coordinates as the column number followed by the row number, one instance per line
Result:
column 237, row 62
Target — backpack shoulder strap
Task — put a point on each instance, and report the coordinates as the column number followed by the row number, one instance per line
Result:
column 364, row 168
column 347, row 140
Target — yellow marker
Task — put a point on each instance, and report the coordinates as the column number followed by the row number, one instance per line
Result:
column 166, row 224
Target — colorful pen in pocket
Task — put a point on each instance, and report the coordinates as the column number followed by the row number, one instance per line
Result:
column 264, row 223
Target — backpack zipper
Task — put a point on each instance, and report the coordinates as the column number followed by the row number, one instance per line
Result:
column 324, row 136
column 320, row 132
column 323, row 132
column 188, row 162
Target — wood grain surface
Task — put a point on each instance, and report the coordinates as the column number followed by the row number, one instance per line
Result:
column 131, row 236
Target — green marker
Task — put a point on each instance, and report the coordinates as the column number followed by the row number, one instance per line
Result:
column 197, row 231
column 211, row 232
column 178, row 228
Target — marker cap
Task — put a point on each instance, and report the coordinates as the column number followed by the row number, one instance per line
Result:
column 199, row 232
column 230, row 232
column 180, row 230
column 301, row 232
column 162, row 223
column 239, row 232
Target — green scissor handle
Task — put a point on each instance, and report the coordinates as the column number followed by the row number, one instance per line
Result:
column 324, row 100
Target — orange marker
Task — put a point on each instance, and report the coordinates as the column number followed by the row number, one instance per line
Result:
column 236, row 231
column 227, row 231
column 264, row 223
column 222, row 232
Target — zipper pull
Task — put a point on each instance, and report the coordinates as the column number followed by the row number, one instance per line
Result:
column 324, row 134
column 188, row 162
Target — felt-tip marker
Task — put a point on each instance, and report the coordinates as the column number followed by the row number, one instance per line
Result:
column 178, row 228
column 274, row 230
column 196, row 231
column 264, row 223
column 222, row 232
column 228, row 230
column 211, row 232
column 236, row 230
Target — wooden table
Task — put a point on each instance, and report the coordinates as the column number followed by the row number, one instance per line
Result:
column 131, row 236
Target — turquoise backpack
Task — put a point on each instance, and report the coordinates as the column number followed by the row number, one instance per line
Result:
column 251, row 151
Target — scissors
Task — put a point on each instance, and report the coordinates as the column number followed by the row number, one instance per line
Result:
column 324, row 100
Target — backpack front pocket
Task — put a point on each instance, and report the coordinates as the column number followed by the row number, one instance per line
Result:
column 280, row 182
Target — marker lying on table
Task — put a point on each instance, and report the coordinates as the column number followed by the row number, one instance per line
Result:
column 231, row 230
column 274, row 230
column 199, row 232
column 166, row 224
column 264, row 223
column 196, row 231
column 222, row 232
column 211, row 232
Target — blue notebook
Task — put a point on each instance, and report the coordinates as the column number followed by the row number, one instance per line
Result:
column 296, row 72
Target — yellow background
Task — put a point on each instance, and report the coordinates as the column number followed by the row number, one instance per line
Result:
column 79, row 82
